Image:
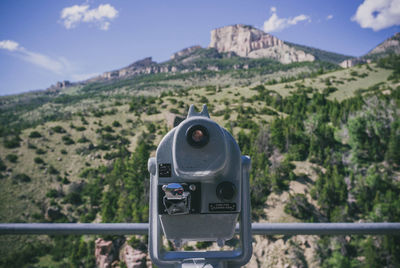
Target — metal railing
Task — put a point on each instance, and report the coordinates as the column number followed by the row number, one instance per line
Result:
column 257, row 228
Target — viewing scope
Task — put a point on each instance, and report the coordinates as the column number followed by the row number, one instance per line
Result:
column 199, row 191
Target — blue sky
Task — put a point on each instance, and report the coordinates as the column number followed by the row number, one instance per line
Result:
column 42, row 42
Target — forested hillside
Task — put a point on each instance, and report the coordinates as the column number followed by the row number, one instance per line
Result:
column 324, row 144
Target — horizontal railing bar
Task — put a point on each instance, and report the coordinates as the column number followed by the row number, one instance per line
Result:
column 257, row 228
column 325, row 228
column 74, row 228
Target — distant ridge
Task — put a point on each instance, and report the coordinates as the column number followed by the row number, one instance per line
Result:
column 238, row 41
column 388, row 47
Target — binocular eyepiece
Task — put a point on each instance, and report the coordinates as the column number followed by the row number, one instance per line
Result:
column 197, row 136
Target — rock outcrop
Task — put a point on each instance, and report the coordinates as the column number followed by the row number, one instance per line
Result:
column 247, row 41
column 185, row 52
column 144, row 66
column 390, row 45
column 133, row 258
column 104, row 253
column 352, row 62
column 60, row 85
column 63, row 84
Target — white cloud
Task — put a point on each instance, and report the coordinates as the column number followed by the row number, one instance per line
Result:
column 329, row 17
column 80, row 77
column 71, row 16
column 9, row 45
column 378, row 14
column 58, row 66
column 54, row 65
column 105, row 26
column 276, row 24
column 100, row 16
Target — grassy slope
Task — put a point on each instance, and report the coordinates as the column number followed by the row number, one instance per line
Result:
column 21, row 200
column 20, row 196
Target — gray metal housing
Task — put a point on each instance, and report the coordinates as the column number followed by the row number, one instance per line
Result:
column 220, row 160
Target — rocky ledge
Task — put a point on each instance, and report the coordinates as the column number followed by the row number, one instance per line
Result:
column 247, row 41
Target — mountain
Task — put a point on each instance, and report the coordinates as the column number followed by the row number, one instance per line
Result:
column 247, row 41
column 390, row 46
column 386, row 48
column 244, row 46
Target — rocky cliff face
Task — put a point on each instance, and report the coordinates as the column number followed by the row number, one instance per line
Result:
column 144, row 66
column 390, row 45
column 353, row 62
column 185, row 52
column 247, row 41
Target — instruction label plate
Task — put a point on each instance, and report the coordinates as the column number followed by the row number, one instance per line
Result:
column 164, row 170
column 222, row 207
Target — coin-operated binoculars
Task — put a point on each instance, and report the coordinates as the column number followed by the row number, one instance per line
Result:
column 199, row 191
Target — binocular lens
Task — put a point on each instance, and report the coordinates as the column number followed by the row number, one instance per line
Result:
column 197, row 136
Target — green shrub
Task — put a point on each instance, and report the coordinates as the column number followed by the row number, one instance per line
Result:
column 83, row 139
column 137, row 243
column 12, row 158
column 109, row 137
column 83, row 120
column 35, row 134
column 73, row 198
column 108, row 129
column 152, row 110
column 203, row 244
column 268, row 111
column 81, row 128
column 52, row 193
column 211, row 88
column 53, row 170
column 116, row 124
column 151, row 128
column 58, row 129
column 203, row 100
column 172, row 100
column 38, row 160
column 12, row 142
column 31, row 146
column 103, row 146
column 188, row 248
column 40, row 151
column 63, row 151
column 329, row 90
column 354, row 73
column 2, row 165
column 299, row 207
column 67, row 140
column 22, row 177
